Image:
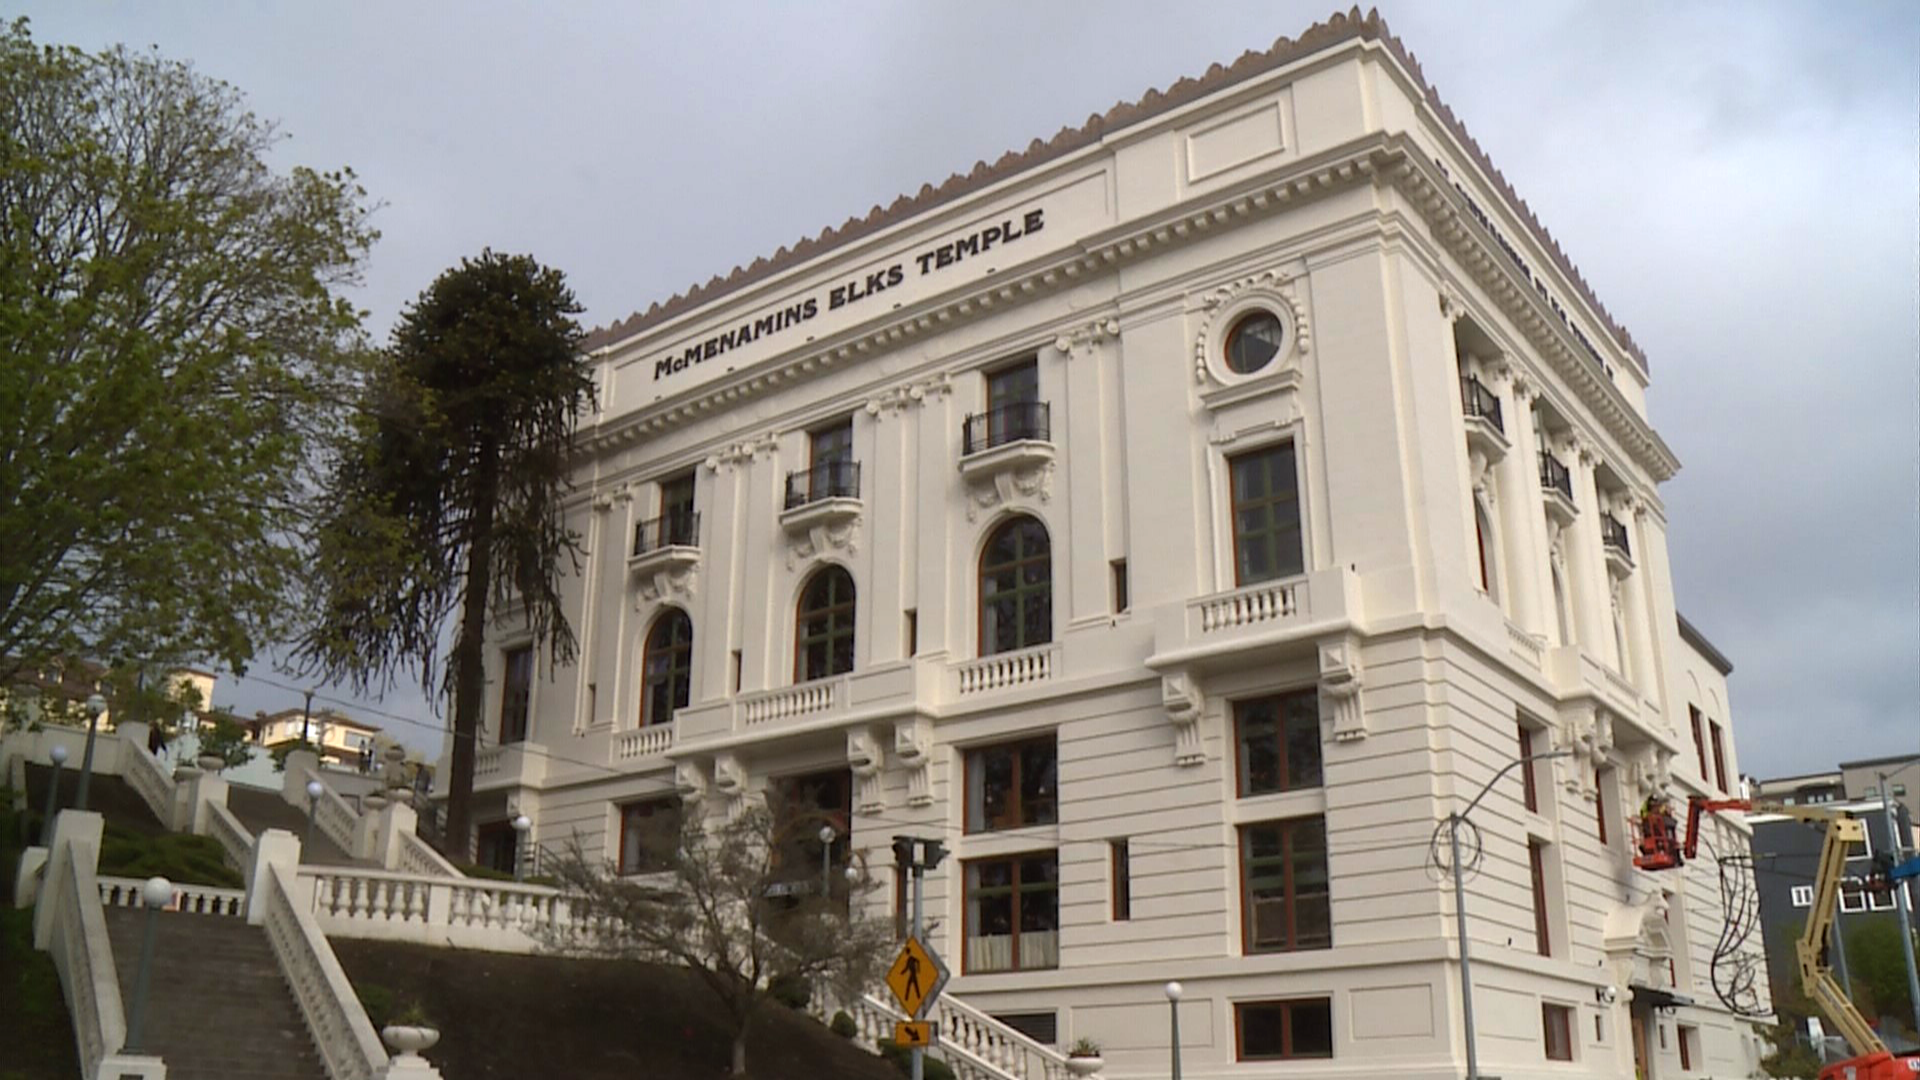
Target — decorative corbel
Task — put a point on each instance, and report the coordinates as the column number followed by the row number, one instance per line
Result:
column 913, row 748
column 666, row 583
column 1184, row 703
column 1086, row 338
column 1340, row 684
column 690, row 782
column 730, row 780
column 866, row 759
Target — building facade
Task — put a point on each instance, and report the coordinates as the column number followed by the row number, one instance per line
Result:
column 1179, row 518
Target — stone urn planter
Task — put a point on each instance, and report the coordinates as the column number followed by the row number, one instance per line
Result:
column 210, row 763
column 1085, row 1065
column 374, row 801
column 407, row 1039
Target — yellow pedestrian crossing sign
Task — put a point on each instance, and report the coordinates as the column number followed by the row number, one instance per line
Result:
column 916, row 977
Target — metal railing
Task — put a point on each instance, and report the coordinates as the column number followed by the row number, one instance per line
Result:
column 825, row 480
column 1613, row 533
column 1008, row 423
column 1554, row 476
column 678, row 529
column 1479, row 401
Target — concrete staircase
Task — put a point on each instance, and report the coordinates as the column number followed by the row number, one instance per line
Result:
column 260, row 810
column 217, row 1007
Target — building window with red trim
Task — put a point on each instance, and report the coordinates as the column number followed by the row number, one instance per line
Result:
column 1285, row 900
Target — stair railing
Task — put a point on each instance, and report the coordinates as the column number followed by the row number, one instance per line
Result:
column 147, row 776
column 338, row 1023
column 969, row 1056
column 418, row 857
column 84, row 957
column 1019, row 1054
column 235, row 841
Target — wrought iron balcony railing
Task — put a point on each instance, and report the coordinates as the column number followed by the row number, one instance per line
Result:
column 1008, row 423
column 1479, row 401
column 680, row 528
column 1554, row 476
column 826, row 480
column 1613, row 533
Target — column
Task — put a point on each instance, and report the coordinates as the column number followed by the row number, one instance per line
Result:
column 938, row 503
column 1529, row 512
column 1080, row 460
column 1516, row 505
column 1586, row 564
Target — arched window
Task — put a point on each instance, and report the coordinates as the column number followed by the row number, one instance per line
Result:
column 1016, row 587
column 823, row 638
column 666, row 670
column 1483, row 539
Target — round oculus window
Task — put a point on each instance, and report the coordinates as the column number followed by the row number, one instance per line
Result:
column 1254, row 341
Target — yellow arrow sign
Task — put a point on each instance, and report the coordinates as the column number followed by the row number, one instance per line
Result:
column 916, row 977
column 913, row 1033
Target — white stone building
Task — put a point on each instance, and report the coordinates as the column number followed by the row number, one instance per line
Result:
column 1180, row 518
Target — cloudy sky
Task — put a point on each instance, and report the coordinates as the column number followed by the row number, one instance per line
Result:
column 1740, row 182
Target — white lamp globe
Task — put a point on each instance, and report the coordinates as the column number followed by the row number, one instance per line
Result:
column 522, row 823
column 157, row 892
column 1174, row 990
column 313, row 789
column 58, row 754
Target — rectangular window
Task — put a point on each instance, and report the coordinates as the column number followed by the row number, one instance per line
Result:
column 1041, row 1027
column 1852, row 900
column 1279, row 742
column 1012, row 785
column 913, row 632
column 496, row 846
column 649, row 833
column 1122, row 600
column 1013, row 913
column 1700, row 740
column 1284, row 900
column 739, row 662
column 1557, row 1021
column 1688, row 1038
column 1802, row 895
column 1719, row 757
column 1529, row 788
column 1266, row 515
column 678, row 522
column 1014, row 410
column 1537, row 867
column 831, row 444
column 1279, row 1030
column 1602, row 779
column 1122, row 880
column 516, row 694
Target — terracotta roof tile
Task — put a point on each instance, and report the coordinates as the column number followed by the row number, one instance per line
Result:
column 1340, row 27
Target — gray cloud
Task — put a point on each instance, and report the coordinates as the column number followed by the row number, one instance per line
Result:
column 1739, row 182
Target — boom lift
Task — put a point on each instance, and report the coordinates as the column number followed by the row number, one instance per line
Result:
column 1659, row 848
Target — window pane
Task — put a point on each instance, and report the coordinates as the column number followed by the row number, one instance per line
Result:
column 1038, row 783
column 1262, row 1031
column 1266, row 515
column 1312, row 1028
column 1303, row 739
column 1259, row 750
column 990, row 789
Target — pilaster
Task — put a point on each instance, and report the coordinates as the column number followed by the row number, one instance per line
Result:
column 1515, row 504
column 1586, row 565
column 1079, row 355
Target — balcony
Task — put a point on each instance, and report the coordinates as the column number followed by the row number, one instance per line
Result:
column 822, row 497
column 668, row 543
column 1486, row 431
column 1245, row 623
column 1556, row 484
column 1007, row 451
column 1613, row 540
column 650, row 741
column 517, row 764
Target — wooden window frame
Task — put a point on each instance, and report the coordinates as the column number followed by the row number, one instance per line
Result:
column 1234, row 461
column 1018, row 890
column 1280, row 701
column 1291, row 899
column 1555, row 1017
column 1120, row 863
column 1019, row 804
column 1529, row 783
column 1601, row 778
column 830, row 576
column 1537, row 871
column 668, row 802
column 1681, row 1033
column 1287, row 1006
column 1022, row 593
column 516, row 704
column 1719, row 756
column 1700, row 741
column 679, row 670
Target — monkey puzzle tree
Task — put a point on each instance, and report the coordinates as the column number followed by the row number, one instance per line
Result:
column 172, row 342
column 445, row 496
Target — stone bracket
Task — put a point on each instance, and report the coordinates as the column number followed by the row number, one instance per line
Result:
column 1185, row 703
column 1340, row 686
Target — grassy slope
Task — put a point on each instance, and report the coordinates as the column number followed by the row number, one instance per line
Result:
column 36, row 1038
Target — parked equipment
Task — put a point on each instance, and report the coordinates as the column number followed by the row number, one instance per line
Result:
column 1658, row 846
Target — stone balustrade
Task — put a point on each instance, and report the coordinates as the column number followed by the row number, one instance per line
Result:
column 193, row 899
column 467, row 913
column 1004, row 671
column 643, row 742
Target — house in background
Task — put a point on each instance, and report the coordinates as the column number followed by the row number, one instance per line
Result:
column 341, row 740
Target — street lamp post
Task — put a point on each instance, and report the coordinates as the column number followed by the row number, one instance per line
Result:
column 95, row 706
column 827, row 836
column 1454, row 821
column 313, row 806
column 59, row 756
column 1900, row 896
column 1174, row 990
column 155, row 894
column 521, row 824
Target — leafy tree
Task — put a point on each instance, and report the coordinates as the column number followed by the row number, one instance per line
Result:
column 225, row 737
column 1878, row 969
column 280, row 752
column 724, row 906
column 447, row 497
column 174, row 342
